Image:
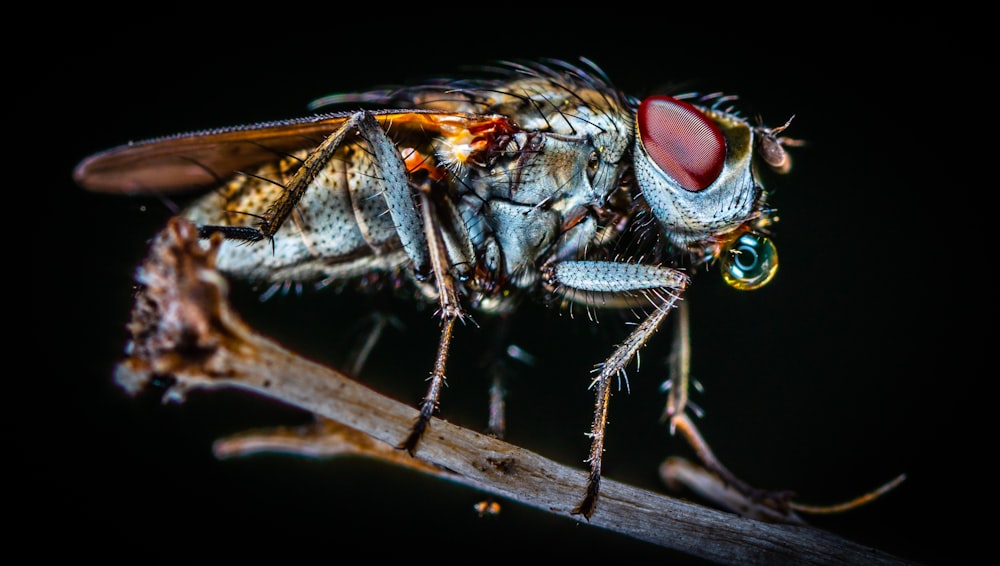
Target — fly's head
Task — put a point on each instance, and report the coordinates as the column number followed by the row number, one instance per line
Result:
column 698, row 170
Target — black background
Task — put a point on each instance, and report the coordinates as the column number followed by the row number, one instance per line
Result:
column 836, row 377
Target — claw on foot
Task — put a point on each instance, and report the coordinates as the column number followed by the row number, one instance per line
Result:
column 589, row 503
column 416, row 433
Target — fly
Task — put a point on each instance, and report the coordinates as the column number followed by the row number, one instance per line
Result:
column 543, row 183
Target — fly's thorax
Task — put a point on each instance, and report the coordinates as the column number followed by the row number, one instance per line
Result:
column 694, row 168
column 542, row 195
column 523, row 234
column 591, row 120
column 509, row 239
column 557, row 104
column 543, row 184
column 554, row 171
column 598, row 130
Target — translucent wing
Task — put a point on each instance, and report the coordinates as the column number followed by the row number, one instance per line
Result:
column 203, row 159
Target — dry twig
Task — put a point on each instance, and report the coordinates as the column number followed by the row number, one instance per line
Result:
column 183, row 328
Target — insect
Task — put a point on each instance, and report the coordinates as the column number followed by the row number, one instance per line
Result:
column 541, row 183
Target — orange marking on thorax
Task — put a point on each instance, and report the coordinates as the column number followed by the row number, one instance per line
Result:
column 466, row 134
column 417, row 161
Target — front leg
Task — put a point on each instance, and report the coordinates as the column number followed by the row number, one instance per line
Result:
column 772, row 503
column 610, row 284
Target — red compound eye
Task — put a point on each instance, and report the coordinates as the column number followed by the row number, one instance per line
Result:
column 681, row 141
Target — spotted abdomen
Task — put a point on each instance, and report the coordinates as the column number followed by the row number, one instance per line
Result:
column 340, row 227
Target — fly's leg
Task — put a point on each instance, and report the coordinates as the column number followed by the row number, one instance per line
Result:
column 450, row 311
column 421, row 237
column 712, row 480
column 497, row 362
column 360, row 354
column 497, row 424
column 680, row 367
column 676, row 412
column 603, row 284
column 500, row 370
